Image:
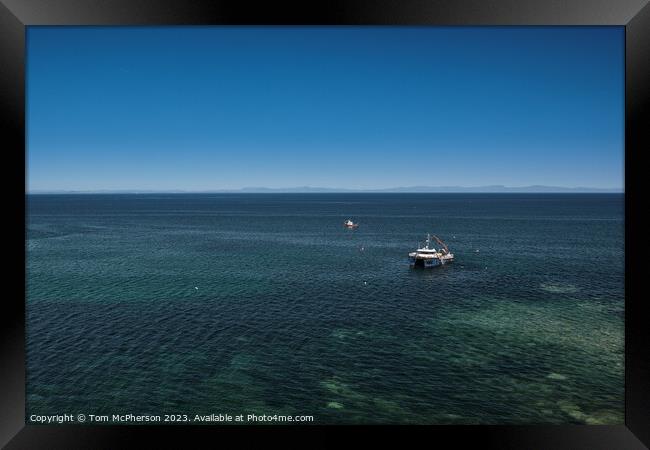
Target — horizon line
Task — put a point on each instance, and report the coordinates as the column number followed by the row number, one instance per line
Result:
column 311, row 189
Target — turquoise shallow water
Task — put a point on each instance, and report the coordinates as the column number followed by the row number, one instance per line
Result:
column 292, row 317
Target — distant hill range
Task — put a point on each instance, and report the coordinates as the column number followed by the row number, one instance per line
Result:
column 494, row 189
column 435, row 189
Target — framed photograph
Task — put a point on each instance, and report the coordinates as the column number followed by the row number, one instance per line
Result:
column 396, row 217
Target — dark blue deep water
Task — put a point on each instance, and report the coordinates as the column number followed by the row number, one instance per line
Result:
column 265, row 304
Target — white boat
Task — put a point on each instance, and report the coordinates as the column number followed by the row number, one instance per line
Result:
column 429, row 256
column 349, row 224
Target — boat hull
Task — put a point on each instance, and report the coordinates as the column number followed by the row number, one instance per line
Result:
column 425, row 263
column 420, row 263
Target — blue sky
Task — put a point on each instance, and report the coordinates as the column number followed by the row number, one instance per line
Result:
column 200, row 108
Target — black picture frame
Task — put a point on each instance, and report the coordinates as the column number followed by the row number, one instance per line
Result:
column 15, row 15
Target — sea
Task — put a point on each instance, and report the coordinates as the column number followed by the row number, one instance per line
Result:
column 265, row 304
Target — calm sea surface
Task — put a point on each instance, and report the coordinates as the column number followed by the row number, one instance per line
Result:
column 266, row 304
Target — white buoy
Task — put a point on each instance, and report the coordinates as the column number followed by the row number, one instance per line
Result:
column 196, row 287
